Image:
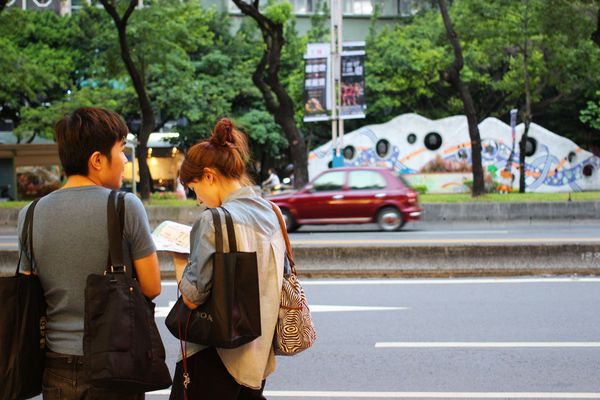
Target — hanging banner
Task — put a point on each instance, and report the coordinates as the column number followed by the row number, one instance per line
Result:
column 316, row 83
column 353, row 85
column 315, row 89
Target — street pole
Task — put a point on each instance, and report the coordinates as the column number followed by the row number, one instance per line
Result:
column 132, row 145
column 337, row 124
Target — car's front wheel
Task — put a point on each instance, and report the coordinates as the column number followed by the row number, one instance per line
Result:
column 390, row 219
column 290, row 222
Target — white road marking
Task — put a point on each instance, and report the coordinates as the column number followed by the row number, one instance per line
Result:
column 476, row 281
column 462, row 241
column 420, row 395
column 433, row 281
column 457, row 232
column 486, row 344
column 322, row 308
column 162, row 312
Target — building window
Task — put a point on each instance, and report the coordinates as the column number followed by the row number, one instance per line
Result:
column 408, row 8
column 298, row 6
column 303, row 6
column 358, row 7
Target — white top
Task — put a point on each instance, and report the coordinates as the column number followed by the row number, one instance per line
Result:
column 273, row 180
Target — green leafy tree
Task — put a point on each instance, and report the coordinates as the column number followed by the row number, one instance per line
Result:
column 402, row 63
column 37, row 54
column 266, row 78
column 40, row 120
column 452, row 75
column 591, row 114
column 267, row 142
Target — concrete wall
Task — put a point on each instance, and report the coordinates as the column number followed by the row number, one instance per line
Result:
column 420, row 261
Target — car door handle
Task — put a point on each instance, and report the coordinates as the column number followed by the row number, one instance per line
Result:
column 337, row 197
column 378, row 195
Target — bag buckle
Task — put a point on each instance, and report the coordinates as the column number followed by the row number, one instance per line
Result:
column 119, row 269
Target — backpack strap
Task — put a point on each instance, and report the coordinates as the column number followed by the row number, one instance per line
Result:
column 286, row 238
column 230, row 231
column 218, row 230
column 27, row 237
column 115, row 219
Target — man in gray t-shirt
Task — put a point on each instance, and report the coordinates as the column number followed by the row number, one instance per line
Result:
column 70, row 242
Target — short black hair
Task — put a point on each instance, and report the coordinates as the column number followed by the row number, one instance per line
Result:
column 85, row 131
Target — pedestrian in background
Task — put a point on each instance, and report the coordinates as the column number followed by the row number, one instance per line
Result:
column 215, row 170
column 70, row 242
column 271, row 181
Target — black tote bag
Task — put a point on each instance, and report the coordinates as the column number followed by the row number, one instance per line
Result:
column 231, row 315
column 122, row 347
column 22, row 326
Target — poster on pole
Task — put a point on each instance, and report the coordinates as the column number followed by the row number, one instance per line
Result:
column 316, row 83
column 352, row 83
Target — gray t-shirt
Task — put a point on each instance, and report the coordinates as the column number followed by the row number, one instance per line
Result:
column 70, row 241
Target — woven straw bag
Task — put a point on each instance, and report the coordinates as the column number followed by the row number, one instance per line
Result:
column 294, row 331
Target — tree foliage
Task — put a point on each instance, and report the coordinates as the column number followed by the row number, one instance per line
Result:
column 196, row 68
column 562, row 63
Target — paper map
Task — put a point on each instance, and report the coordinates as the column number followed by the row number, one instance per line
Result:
column 172, row 236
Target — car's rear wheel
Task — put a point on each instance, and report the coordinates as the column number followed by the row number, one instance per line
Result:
column 290, row 222
column 390, row 219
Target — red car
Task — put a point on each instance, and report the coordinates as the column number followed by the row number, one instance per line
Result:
column 351, row 195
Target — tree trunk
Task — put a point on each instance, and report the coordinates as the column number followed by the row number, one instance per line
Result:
column 147, row 113
column 298, row 154
column 277, row 101
column 596, row 34
column 3, row 4
column 452, row 75
column 527, row 118
column 32, row 137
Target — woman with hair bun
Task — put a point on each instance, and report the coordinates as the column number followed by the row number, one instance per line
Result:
column 215, row 169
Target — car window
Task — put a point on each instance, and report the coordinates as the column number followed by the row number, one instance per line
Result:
column 366, row 180
column 403, row 180
column 329, row 181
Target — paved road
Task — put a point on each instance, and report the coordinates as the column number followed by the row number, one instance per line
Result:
column 440, row 339
column 414, row 234
column 471, row 339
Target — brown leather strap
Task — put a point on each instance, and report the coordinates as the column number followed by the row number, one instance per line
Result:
column 288, row 246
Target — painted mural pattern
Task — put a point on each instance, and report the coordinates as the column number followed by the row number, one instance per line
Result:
column 545, row 171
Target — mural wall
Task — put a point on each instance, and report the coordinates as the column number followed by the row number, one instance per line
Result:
column 424, row 148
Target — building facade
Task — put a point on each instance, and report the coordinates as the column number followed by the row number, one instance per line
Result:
column 357, row 13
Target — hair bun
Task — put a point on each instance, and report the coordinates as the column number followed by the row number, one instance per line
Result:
column 223, row 133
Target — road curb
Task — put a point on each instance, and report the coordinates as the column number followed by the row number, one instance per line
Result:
column 423, row 261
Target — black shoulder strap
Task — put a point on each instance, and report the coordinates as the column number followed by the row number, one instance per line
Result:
column 27, row 236
column 230, row 231
column 115, row 216
column 218, row 230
